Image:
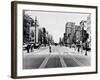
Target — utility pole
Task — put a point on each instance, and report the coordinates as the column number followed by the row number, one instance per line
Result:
column 35, row 28
column 82, row 37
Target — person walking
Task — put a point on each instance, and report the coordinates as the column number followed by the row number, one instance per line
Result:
column 32, row 45
column 50, row 48
column 86, row 48
column 78, row 48
column 28, row 48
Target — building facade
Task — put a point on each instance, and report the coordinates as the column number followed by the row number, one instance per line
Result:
column 78, row 34
column 89, row 29
column 69, row 33
column 34, row 31
column 27, row 23
column 30, row 29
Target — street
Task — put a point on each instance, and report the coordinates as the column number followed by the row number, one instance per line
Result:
column 60, row 56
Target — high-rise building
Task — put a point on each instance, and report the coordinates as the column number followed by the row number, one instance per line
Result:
column 34, row 30
column 77, row 34
column 27, row 23
column 69, row 32
column 30, row 29
column 89, row 24
column 89, row 29
column 83, row 25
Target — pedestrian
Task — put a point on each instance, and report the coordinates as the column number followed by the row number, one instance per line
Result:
column 28, row 48
column 50, row 48
column 78, row 48
column 86, row 48
column 32, row 47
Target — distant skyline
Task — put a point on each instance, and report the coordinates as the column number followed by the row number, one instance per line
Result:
column 55, row 22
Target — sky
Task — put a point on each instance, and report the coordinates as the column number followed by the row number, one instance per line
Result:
column 55, row 22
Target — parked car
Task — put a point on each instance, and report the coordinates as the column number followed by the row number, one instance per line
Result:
column 25, row 47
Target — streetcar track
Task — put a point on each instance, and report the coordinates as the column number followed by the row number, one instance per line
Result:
column 77, row 61
column 45, row 61
column 61, row 59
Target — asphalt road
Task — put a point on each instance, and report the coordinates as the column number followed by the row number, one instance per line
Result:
column 59, row 57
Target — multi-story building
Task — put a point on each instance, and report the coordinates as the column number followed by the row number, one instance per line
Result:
column 30, row 29
column 89, row 29
column 69, row 33
column 89, row 24
column 34, row 31
column 27, row 23
column 77, row 34
column 83, row 25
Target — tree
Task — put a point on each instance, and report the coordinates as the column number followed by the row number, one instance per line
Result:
column 85, row 36
column 74, row 39
column 44, row 36
column 32, row 36
column 40, row 35
column 44, row 30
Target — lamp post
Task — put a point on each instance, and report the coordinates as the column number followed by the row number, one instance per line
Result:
column 36, row 24
column 82, row 37
column 35, row 28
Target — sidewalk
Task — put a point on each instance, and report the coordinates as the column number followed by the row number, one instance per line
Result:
column 35, row 50
column 72, row 51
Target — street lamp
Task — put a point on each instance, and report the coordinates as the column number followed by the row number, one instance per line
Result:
column 36, row 25
column 35, row 28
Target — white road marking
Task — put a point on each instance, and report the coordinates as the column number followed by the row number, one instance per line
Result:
column 62, row 61
column 45, row 62
column 78, row 62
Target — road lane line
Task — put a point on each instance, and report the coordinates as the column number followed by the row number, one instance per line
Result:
column 45, row 62
column 62, row 61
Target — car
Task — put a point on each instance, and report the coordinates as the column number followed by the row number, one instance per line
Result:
column 24, row 46
column 56, row 44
